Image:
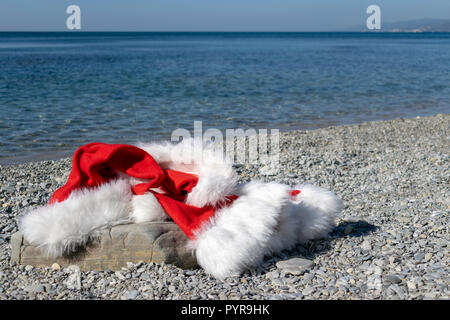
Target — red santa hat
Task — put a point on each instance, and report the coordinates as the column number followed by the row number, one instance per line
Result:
column 231, row 227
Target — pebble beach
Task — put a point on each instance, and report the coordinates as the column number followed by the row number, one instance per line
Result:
column 391, row 240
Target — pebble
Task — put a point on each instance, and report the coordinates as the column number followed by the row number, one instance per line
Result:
column 56, row 266
column 366, row 245
column 131, row 295
column 35, row 288
column 307, row 291
column 120, row 275
column 390, row 278
column 348, row 229
column 374, row 282
column 223, row 296
column 273, row 275
column 295, row 266
column 277, row 297
column 190, row 272
column 398, row 291
column 73, row 281
column 419, row 256
column 411, row 285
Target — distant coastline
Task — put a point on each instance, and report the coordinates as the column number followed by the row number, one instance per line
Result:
column 415, row 26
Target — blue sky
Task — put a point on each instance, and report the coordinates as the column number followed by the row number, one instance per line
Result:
column 211, row 15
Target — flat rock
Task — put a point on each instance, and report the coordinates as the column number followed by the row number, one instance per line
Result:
column 148, row 242
column 295, row 266
column 131, row 295
column 35, row 288
column 391, row 278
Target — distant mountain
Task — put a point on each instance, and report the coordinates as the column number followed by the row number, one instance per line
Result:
column 421, row 25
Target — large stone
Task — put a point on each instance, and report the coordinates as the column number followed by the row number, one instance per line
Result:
column 149, row 242
column 295, row 266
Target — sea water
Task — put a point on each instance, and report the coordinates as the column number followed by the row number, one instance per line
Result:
column 61, row 90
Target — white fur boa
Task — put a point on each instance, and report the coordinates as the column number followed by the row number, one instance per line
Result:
column 265, row 219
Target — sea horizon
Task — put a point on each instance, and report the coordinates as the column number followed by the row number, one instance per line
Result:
column 230, row 31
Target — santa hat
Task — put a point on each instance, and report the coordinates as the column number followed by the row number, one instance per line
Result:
column 231, row 227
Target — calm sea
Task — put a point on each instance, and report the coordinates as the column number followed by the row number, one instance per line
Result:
column 61, row 90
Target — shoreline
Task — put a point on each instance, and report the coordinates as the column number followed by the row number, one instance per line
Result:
column 390, row 242
column 56, row 155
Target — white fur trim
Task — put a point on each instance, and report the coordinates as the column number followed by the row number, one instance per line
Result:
column 317, row 210
column 263, row 220
column 237, row 236
column 216, row 180
column 63, row 226
column 147, row 208
column 216, row 177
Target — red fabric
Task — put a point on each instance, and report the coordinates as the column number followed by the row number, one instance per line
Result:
column 96, row 163
column 294, row 193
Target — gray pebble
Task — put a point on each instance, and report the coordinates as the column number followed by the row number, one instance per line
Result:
column 295, row 266
column 419, row 256
column 392, row 279
column 35, row 288
column 131, row 295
